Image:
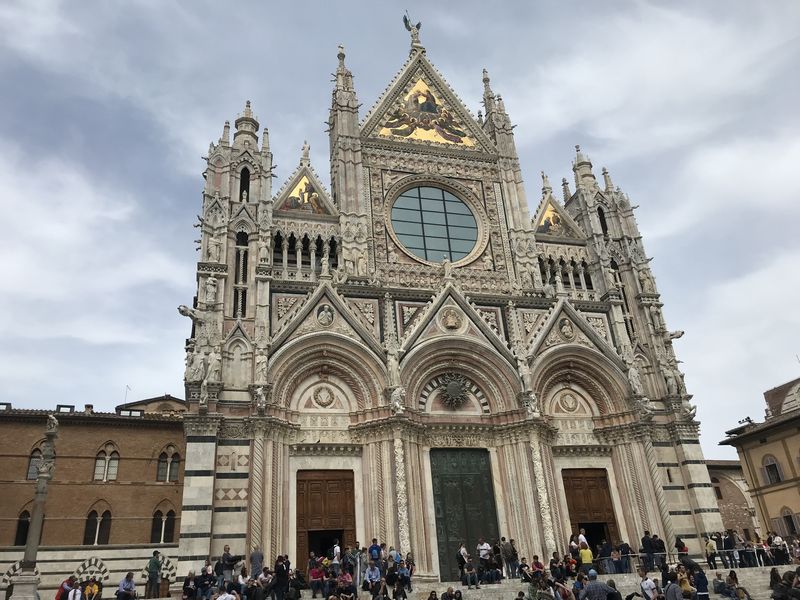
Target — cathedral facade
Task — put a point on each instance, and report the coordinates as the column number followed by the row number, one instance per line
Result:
column 420, row 356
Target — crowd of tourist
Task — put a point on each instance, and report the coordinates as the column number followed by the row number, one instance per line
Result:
column 343, row 573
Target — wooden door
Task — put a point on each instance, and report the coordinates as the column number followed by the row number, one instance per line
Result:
column 589, row 501
column 463, row 499
column 325, row 501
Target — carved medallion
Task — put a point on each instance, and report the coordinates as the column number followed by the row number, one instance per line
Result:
column 323, row 396
column 454, row 390
column 568, row 402
column 325, row 315
column 566, row 329
column 451, row 319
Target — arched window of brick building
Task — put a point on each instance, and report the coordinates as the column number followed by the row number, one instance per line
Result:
column 717, row 488
column 162, row 530
column 23, row 524
column 97, row 530
column 106, row 463
column 33, row 463
column 169, row 462
column 771, row 470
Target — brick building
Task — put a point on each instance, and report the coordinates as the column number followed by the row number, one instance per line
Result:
column 735, row 505
column 116, row 492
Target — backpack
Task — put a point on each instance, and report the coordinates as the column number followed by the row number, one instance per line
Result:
column 330, row 553
column 374, row 553
column 60, row 592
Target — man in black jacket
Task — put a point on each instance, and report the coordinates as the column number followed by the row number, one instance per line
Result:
column 647, row 550
column 281, row 578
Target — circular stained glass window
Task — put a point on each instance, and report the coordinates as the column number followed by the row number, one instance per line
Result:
column 433, row 224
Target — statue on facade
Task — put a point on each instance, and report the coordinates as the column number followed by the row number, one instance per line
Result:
column 393, row 361
column 669, row 378
column 325, row 263
column 488, row 263
column 397, row 401
column 635, row 381
column 447, row 268
column 52, row 424
column 412, row 29
column 261, row 398
column 646, row 281
column 203, row 399
column 211, row 290
column 263, row 252
column 531, row 403
column 261, row 366
column 203, row 330
column 213, row 250
column 214, row 367
column 194, row 367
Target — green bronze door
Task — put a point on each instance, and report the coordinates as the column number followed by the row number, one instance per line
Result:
column 463, row 498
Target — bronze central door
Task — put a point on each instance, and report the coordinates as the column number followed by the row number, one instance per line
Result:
column 326, row 509
column 463, row 498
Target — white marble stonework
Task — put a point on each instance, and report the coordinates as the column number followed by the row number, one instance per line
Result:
column 539, row 338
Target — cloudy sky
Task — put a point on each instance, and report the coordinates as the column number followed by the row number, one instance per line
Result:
column 107, row 108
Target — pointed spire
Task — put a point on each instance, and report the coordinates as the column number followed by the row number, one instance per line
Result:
column 582, row 167
column 344, row 78
column 305, row 159
column 246, row 127
column 265, row 140
column 488, row 94
column 546, row 187
column 607, row 180
column 225, row 139
column 565, row 189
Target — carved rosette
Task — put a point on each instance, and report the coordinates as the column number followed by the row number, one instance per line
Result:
column 454, row 390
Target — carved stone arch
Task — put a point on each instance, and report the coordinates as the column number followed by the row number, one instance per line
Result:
column 12, row 572
column 169, row 570
column 354, row 363
column 104, row 447
column 91, row 567
column 237, row 357
column 243, row 225
column 496, row 379
column 586, row 367
column 99, row 505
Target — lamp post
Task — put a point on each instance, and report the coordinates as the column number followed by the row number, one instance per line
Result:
column 26, row 583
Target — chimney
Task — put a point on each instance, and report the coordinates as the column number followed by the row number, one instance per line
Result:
column 88, row 408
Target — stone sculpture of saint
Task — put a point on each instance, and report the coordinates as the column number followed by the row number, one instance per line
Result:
column 261, row 367
column 672, row 385
column 635, row 381
column 194, row 366
column 213, row 250
column 488, row 263
column 447, row 268
column 263, row 253
column 393, row 361
column 214, row 368
column 211, row 290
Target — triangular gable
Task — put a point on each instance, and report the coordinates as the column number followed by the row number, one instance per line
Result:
column 446, row 314
column 303, row 193
column 565, row 325
column 238, row 331
column 553, row 221
column 420, row 107
column 243, row 215
column 324, row 310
